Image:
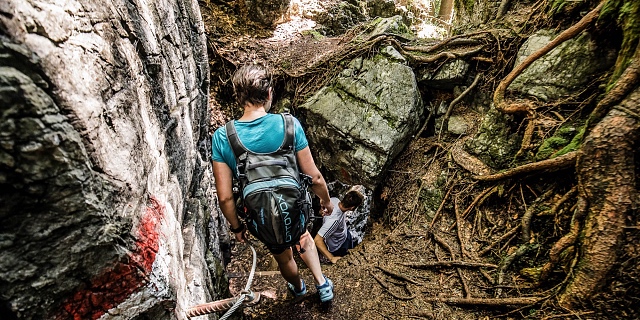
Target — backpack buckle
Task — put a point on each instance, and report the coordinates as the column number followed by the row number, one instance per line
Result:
column 306, row 179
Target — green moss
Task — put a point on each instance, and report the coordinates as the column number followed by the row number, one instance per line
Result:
column 557, row 6
column 316, row 35
column 467, row 5
column 574, row 145
column 567, row 138
column 627, row 15
column 550, row 146
column 431, row 199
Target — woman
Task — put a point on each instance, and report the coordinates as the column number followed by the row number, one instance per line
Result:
column 262, row 132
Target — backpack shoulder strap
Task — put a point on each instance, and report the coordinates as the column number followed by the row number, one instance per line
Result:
column 289, row 132
column 232, row 135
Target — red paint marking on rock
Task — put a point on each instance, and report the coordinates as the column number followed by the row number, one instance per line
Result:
column 114, row 285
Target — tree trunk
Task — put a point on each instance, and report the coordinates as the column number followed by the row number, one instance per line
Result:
column 607, row 181
column 446, row 9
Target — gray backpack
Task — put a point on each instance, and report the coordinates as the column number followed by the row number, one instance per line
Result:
column 273, row 193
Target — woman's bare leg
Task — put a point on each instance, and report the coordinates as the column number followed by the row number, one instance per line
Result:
column 289, row 268
column 310, row 257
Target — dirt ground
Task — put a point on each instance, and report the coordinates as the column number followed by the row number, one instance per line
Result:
column 375, row 280
column 391, row 275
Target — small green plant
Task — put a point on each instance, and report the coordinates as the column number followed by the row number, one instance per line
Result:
column 315, row 34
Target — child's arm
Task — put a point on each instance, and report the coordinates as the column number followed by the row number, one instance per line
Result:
column 322, row 247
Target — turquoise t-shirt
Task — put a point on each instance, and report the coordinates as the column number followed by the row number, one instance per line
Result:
column 262, row 135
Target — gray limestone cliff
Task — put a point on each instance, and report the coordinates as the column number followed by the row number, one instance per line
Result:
column 107, row 202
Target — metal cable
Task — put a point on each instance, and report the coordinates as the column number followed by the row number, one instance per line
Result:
column 246, row 291
column 234, row 302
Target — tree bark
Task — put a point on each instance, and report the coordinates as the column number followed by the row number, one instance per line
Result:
column 446, row 9
column 607, row 181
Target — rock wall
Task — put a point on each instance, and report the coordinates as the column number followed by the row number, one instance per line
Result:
column 359, row 123
column 107, row 198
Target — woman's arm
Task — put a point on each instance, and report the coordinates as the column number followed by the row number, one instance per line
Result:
column 319, row 186
column 224, row 189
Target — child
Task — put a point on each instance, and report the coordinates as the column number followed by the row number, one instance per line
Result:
column 334, row 239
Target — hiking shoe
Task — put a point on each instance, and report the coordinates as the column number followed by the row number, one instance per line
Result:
column 325, row 291
column 300, row 293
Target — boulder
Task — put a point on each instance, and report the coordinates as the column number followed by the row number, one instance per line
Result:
column 363, row 119
column 494, row 143
column 266, row 12
column 452, row 73
column 340, row 17
column 382, row 8
column 393, row 25
column 568, row 68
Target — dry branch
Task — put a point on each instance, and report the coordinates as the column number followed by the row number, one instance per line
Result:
column 456, row 263
column 548, row 165
column 498, row 96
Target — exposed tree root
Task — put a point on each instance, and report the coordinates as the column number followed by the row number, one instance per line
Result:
column 527, row 137
column 549, row 165
column 566, row 241
column 463, row 39
column 527, row 217
column 623, row 86
column 498, row 97
column 325, row 69
column 504, row 7
column 506, row 263
column 465, row 287
column 487, row 301
column 435, row 216
column 397, row 275
column 556, row 206
column 386, row 286
column 568, row 315
column 505, row 236
column 476, row 201
column 454, row 263
column 463, row 251
column 607, row 181
column 444, row 55
column 445, row 119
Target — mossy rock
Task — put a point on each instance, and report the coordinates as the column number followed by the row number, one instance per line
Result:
column 566, row 139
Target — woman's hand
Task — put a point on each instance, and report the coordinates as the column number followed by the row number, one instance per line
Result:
column 326, row 208
column 241, row 236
